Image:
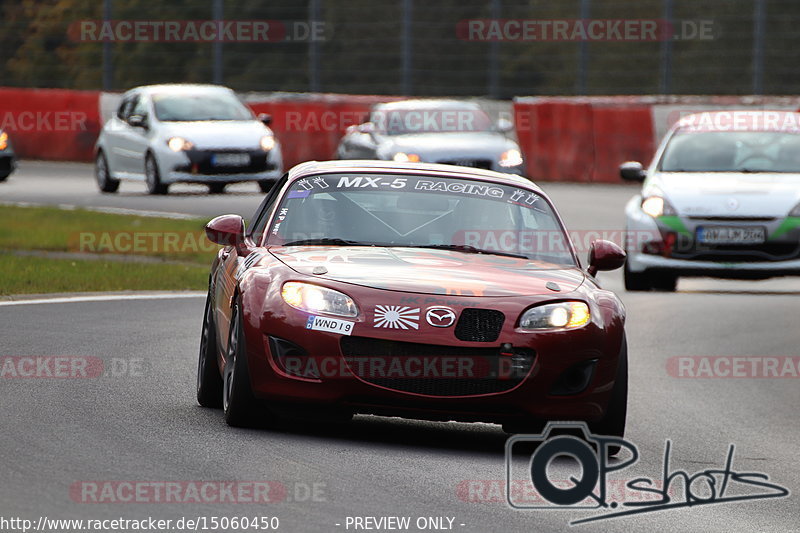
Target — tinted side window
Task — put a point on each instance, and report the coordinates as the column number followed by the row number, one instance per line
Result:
column 261, row 218
column 140, row 107
column 124, row 109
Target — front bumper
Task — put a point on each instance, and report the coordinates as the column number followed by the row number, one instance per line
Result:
column 199, row 166
column 536, row 395
column 669, row 244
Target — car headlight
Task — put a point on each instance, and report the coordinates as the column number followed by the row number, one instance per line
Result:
column 402, row 157
column 267, row 142
column 316, row 299
column 511, row 158
column 177, row 144
column 561, row 315
column 3, row 140
column 657, row 206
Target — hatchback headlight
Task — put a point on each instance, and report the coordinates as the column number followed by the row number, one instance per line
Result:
column 657, row 206
column 267, row 142
column 511, row 158
column 561, row 315
column 402, row 157
column 316, row 299
column 178, row 144
column 3, row 140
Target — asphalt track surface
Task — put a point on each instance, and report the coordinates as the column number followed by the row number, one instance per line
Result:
column 139, row 420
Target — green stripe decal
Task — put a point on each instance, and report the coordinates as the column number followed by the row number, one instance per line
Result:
column 675, row 223
column 788, row 224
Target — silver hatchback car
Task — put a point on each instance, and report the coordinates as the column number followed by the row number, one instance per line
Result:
column 163, row 134
column 721, row 198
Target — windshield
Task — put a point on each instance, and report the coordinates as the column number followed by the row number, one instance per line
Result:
column 194, row 107
column 732, row 151
column 430, row 120
column 398, row 210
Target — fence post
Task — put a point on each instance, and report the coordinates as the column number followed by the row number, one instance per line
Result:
column 406, row 48
column 314, row 10
column 108, row 67
column 665, row 81
column 217, row 14
column 583, row 51
column 759, row 28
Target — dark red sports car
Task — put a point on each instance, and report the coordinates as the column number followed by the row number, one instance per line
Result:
column 425, row 291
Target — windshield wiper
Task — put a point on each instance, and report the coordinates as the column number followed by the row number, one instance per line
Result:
column 466, row 248
column 328, row 241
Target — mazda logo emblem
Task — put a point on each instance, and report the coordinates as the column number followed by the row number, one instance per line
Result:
column 440, row 317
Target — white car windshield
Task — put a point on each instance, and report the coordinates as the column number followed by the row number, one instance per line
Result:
column 398, row 210
column 194, row 107
column 732, row 151
column 430, row 120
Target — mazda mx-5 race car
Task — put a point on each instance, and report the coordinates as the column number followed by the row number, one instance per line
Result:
column 721, row 198
column 417, row 290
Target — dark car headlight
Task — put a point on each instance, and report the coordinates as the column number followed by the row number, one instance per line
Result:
column 561, row 315
column 315, row 299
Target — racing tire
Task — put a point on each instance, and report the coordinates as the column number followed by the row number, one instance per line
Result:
column 664, row 282
column 209, row 380
column 152, row 176
column 613, row 422
column 636, row 281
column 238, row 401
column 216, row 188
column 105, row 182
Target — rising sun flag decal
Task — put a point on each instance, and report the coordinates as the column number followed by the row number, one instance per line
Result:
column 396, row 317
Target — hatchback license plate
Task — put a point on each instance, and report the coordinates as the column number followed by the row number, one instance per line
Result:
column 230, row 160
column 730, row 235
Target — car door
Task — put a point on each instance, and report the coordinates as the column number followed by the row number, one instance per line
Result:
column 113, row 132
column 133, row 139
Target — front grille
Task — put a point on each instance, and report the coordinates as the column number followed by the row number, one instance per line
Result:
column 485, row 164
column 472, row 371
column 768, row 251
column 200, row 163
column 479, row 325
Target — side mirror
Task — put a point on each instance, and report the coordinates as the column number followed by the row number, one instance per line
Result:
column 265, row 118
column 227, row 230
column 632, row 171
column 367, row 127
column 138, row 121
column 605, row 255
column 504, row 125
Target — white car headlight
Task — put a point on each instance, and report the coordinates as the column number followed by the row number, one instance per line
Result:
column 402, row 157
column 561, row 315
column 316, row 299
column 511, row 158
column 177, row 144
column 267, row 142
column 657, row 206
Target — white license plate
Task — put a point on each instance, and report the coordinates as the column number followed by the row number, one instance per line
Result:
column 230, row 160
column 333, row 325
column 730, row 235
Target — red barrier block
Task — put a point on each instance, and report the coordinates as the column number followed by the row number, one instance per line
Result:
column 621, row 133
column 556, row 139
column 51, row 124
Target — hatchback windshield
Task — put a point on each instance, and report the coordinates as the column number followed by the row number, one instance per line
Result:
column 733, row 151
column 194, row 107
column 397, row 210
column 431, row 120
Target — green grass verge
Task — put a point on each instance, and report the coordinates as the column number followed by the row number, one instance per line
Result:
column 38, row 275
column 79, row 230
column 49, row 229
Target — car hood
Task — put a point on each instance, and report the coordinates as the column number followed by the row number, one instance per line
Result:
column 428, row 271
column 242, row 134
column 733, row 194
column 433, row 147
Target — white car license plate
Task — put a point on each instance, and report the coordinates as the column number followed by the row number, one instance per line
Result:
column 230, row 160
column 730, row 235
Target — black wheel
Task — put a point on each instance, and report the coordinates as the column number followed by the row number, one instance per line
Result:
column 209, row 382
column 152, row 176
column 266, row 185
column 102, row 174
column 636, row 281
column 613, row 423
column 216, row 188
column 240, row 405
column 664, row 282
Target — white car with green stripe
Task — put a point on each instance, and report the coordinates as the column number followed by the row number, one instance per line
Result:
column 721, row 198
